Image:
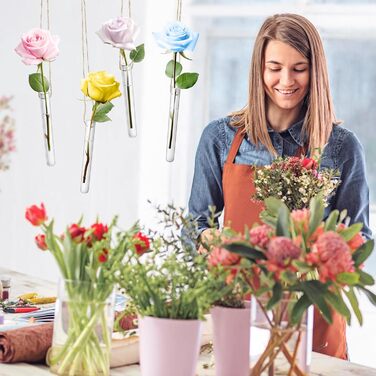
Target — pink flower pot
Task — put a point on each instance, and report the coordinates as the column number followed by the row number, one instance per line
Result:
column 231, row 337
column 169, row 347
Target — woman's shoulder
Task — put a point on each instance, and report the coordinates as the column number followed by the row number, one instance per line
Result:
column 218, row 130
column 343, row 138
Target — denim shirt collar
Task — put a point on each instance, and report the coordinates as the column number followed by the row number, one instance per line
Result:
column 295, row 131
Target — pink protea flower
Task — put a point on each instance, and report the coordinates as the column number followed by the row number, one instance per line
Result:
column 300, row 219
column 260, row 236
column 332, row 256
column 281, row 251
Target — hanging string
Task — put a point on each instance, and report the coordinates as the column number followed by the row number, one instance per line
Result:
column 178, row 10
column 41, row 23
column 84, row 47
column 129, row 9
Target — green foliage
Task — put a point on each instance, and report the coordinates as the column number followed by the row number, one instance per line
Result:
column 170, row 69
column 138, row 54
column 38, row 82
column 101, row 110
column 186, row 80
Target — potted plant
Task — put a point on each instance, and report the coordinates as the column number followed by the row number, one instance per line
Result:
column 170, row 286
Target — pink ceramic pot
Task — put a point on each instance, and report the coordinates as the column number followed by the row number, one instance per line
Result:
column 231, row 337
column 169, row 347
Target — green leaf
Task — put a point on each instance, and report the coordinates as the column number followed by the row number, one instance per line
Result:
column 302, row 266
column 138, row 53
column 331, row 222
column 186, row 80
column 276, row 297
column 299, row 308
column 365, row 278
column 273, row 205
column 288, row 277
column 170, row 68
column 370, row 295
column 35, row 82
column 337, row 302
column 245, row 250
column 101, row 112
column 316, row 207
column 342, row 215
column 348, row 278
column 184, row 55
column 348, row 233
column 363, row 252
column 354, row 304
column 315, row 290
column 268, row 219
column 283, row 221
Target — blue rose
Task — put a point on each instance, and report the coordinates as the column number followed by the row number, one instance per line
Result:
column 176, row 37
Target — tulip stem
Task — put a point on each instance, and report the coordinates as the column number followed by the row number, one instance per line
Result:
column 46, row 108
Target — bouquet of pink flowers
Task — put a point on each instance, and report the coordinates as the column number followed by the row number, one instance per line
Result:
column 295, row 260
column 295, row 181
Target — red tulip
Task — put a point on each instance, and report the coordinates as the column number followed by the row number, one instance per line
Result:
column 99, row 230
column 103, row 256
column 309, row 164
column 142, row 243
column 36, row 215
column 76, row 232
column 41, row 242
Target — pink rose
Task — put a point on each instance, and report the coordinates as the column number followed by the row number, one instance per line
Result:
column 38, row 45
column 119, row 32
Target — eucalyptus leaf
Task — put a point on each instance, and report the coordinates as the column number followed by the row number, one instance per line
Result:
column 186, row 80
column 347, row 278
column 283, row 221
column 350, row 294
column 363, row 252
column 245, row 250
column 36, row 83
column 348, row 233
column 138, row 54
column 276, row 297
column 170, row 68
column 331, row 222
column 299, row 308
column 316, row 207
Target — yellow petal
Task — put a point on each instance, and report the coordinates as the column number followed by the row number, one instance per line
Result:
column 95, row 92
column 84, row 84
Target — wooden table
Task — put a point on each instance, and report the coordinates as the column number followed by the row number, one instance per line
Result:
column 321, row 365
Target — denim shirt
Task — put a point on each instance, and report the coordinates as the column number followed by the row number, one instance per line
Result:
column 343, row 152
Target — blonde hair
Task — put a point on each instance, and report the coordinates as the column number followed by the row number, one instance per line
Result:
column 300, row 34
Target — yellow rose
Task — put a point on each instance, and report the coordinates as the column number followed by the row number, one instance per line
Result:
column 100, row 86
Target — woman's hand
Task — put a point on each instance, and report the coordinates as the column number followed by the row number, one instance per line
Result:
column 207, row 236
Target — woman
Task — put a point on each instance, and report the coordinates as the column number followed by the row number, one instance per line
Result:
column 289, row 112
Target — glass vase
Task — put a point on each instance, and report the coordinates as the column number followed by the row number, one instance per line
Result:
column 45, row 107
column 127, row 79
column 83, row 324
column 172, row 123
column 279, row 347
column 87, row 158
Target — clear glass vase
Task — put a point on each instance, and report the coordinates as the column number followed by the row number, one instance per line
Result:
column 87, row 158
column 172, row 123
column 127, row 78
column 277, row 346
column 45, row 107
column 83, row 324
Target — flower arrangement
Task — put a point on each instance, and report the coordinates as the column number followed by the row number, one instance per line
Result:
column 38, row 46
column 295, row 181
column 121, row 33
column 169, row 280
column 7, row 142
column 177, row 39
column 296, row 260
column 101, row 87
column 88, row 258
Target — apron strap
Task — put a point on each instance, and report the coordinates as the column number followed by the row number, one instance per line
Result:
column 239, row 136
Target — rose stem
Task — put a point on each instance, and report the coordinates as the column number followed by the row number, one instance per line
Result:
column 46, row 108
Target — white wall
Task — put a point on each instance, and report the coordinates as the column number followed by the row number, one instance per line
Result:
column 126, row 172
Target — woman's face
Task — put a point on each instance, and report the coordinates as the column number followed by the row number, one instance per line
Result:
column 286, row 76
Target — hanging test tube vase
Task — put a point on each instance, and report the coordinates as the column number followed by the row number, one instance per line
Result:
column 87, row 158
column 127, row 79
column 172, row 123
column 45, row 106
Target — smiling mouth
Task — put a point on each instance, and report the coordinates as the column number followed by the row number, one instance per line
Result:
column 287, row 92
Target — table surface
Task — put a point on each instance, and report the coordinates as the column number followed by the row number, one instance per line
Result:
column 322, row 365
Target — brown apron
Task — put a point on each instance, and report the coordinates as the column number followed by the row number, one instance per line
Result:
column 241, row 211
